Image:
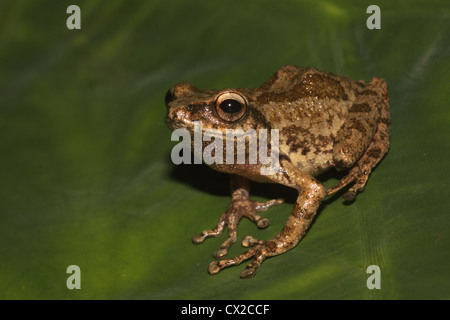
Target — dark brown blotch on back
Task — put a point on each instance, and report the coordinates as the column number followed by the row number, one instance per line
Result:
column 360, row 107
column 369, row 92
column 374, row 153
column 357, row 125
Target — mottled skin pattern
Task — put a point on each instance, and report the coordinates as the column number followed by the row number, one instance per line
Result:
column 324, row 121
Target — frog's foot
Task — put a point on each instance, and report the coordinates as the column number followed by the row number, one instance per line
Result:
column 231, row 217
column 260, row 251
column 360, row 179
column 357, row 175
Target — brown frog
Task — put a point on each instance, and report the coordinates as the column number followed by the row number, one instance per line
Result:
column 324, row 121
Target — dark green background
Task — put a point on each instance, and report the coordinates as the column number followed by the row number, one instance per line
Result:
column 85, row 170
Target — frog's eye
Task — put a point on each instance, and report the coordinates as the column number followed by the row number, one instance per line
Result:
column 230, row 106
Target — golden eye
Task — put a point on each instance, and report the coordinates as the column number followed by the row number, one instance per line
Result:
column 230, row 106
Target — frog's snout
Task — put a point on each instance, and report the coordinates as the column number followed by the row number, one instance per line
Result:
column 175, row 117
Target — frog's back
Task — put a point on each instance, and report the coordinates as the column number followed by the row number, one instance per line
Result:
column 308, row 107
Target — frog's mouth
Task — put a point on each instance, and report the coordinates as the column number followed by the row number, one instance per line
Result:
column 171, row 124
column 174, row 119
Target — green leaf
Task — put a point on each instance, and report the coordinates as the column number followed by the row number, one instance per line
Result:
column 85, row 169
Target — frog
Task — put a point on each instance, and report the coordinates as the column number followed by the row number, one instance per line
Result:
column 324, row 122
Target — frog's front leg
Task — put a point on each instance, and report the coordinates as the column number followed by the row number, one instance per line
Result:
column 241, row 206
column 311, row 194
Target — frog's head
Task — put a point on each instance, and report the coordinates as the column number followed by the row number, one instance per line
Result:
column 216, row 109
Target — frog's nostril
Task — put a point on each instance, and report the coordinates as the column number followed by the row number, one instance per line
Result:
column 169, row 97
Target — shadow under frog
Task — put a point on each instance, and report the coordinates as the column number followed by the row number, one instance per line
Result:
column 324, row 121
column 217, row 183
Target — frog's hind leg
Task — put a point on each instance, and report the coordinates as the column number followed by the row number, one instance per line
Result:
column 360, row 170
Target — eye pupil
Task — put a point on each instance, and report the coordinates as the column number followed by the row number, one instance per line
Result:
column 230, row 106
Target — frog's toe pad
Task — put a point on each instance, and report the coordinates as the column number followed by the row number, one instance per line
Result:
column 198, row 238
column 248, row 273
column 349, row 196
column 263, row 223
column 220, row 253
column 214, row 268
